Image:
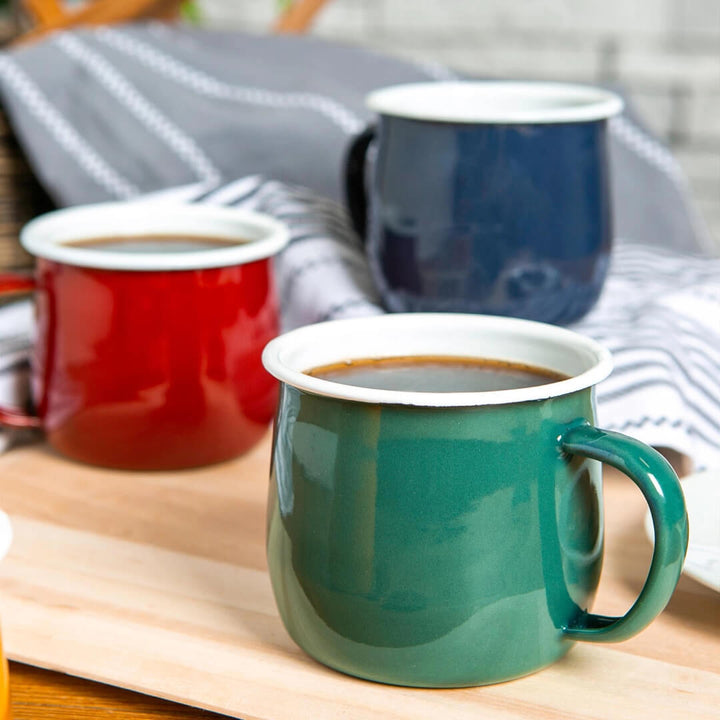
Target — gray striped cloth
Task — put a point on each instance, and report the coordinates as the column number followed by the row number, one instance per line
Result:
column 659, row 314
column 115, row 113
column 112, row 114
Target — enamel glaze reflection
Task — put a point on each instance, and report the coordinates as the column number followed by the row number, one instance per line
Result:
column 507, row 219
column 450, row 539
column 387, row 537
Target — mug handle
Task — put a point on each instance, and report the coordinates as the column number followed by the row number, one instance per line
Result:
column 17, row 284
column 659, row 484
column 355, row 195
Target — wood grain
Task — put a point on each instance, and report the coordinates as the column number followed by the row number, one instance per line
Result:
column 157, row 582
column 42, row 695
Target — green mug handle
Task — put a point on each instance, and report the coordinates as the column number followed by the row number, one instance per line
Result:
column 659, row 484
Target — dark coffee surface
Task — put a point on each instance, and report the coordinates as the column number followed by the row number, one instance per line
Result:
column 142, row 244
column 436, row 374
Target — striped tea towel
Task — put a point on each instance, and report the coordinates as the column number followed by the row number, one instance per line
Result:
column 659, row 314
column 113, row 113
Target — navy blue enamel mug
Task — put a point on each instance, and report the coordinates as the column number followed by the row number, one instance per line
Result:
column 486, row 197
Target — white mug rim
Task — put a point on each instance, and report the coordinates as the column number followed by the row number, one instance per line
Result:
column 289, row 356
column 48, row 235
column 495, row 102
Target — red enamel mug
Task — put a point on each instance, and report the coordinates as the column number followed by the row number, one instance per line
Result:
column 147, row 353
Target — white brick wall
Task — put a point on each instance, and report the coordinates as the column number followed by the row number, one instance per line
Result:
column 666, row 53
column 586, row 17
column 349, row 20
column 253, row 15
column 697, row 18
column 657, row 109
column 655, row 65
column 703, row 119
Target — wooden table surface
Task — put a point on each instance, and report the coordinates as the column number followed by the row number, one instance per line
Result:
column 49, row 695
column 43, row 695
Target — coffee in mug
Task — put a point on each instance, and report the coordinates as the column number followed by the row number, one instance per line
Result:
column 435, row 374
column 155, row 243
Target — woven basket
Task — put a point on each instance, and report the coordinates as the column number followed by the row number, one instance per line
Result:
column 21, row 196
column 21, row 199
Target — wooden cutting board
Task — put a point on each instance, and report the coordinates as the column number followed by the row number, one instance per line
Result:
column 157, row 583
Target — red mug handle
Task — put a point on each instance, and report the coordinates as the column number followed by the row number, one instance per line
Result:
column 17, row 284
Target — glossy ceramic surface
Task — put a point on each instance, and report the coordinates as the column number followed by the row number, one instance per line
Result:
column 152, row 360
column 153, row 370
column 438, row 545
column 509, row 214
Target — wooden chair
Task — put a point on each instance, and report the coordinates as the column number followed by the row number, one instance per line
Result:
column 49, row 15
column 298, row 16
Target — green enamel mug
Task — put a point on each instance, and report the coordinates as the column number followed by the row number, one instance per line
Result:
column 449, row 539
